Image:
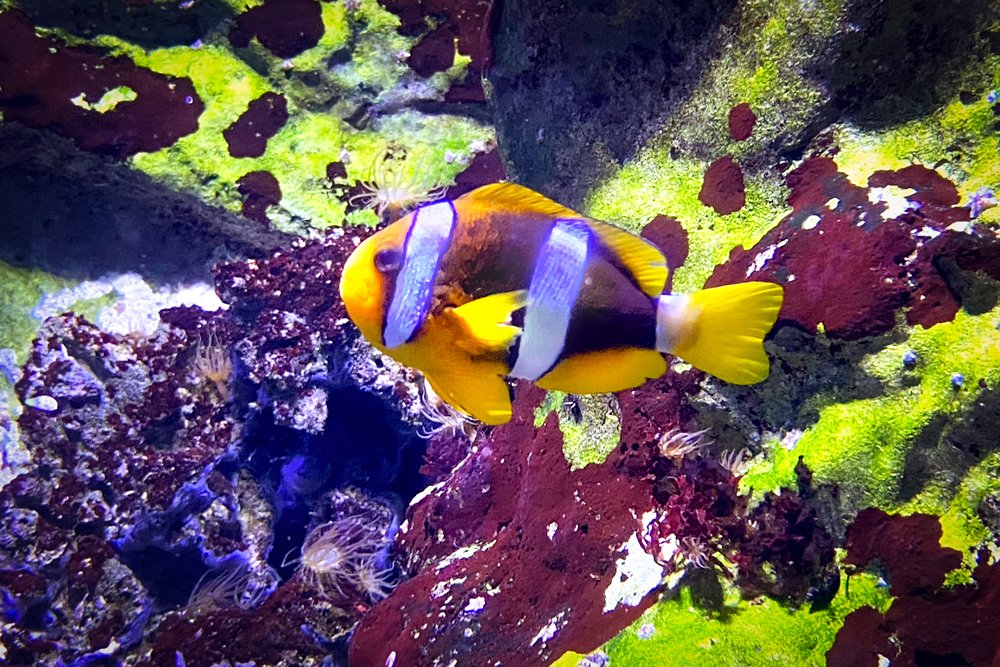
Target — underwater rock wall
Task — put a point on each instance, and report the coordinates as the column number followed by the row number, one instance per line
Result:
column 204, row 463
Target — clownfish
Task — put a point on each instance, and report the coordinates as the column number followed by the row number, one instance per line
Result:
column 504, row 283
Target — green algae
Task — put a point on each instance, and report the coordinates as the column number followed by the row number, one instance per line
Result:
column 108, row 101
column 764, row 69
column 20, row 291
column 658, row 185
column 763, row 66
column 959, row 139
column 590, row 425
column 744, row 632
column 316, row 133
column 862, row 445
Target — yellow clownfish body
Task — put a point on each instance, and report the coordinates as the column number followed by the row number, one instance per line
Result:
column 504, row 283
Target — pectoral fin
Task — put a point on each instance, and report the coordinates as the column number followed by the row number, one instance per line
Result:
column 486, row 321
column 484, row 397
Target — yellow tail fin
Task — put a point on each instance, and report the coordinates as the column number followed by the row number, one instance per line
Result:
column 721, row 330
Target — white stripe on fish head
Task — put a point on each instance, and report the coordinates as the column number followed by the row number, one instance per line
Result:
column 555, row 287
column 426, row 243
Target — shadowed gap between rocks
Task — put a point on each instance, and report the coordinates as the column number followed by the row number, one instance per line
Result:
column 79, row 215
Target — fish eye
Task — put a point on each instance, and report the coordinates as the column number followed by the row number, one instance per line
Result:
column 388, row 260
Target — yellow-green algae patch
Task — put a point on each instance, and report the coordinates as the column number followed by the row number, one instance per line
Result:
column 297, row 156
column 590, row 425
column 676, row 631
column 108, row 101
column 763, row 65
column 862, row 445
column 20, row 291
column 959, row 139
column 655, row 184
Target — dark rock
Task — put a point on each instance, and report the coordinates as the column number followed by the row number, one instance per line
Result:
column 148, row 24
column 596, row 79
column 40, row 77
column 107, row 217
column 286, row 28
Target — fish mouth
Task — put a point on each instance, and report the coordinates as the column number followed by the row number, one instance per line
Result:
column 360, row 288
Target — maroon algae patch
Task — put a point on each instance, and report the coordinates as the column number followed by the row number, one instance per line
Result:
column 672, row 239
column 46, row 84
column 927, row 623
column 850, row 257
column 286, row 28
column 723, row 188
column 248, row 135
column 260, row 189
column 742, row 120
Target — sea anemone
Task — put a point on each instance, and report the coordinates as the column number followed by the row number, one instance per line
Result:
column 376, row 582
column 232, row 585
column 676, row 444
column 395, row 186
column 696, row 552
column 439, row 417
column 338, row 554
column 736, row 461
column 213, row 363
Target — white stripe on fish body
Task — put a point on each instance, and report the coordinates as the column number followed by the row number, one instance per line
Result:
column 555, row 286
column 426, row 243
column 672, row 316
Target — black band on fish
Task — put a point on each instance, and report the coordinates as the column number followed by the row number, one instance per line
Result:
column 426, row 242
column 555, row 286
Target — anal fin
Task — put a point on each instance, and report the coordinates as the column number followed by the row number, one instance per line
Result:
column 604, row 371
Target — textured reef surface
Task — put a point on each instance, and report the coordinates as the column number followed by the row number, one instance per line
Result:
column 202, row 462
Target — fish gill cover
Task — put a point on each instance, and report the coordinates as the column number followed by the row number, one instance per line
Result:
column 204, row 463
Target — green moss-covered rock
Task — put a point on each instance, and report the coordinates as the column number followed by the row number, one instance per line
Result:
column 680, row 631
column 590, row 425
column 349, row 100
column 868, row 446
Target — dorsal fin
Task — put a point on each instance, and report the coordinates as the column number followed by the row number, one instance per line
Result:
column 640, row 258
column 516, row 199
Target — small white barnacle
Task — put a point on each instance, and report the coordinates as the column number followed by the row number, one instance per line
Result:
column 42, row 402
